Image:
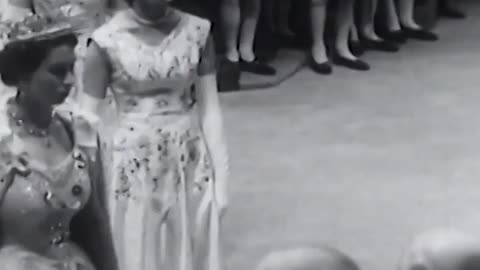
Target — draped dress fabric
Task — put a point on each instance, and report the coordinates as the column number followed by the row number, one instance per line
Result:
column 36, row 209
column 161, row 194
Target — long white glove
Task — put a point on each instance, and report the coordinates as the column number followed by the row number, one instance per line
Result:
column 13, row 13
column 86, row 120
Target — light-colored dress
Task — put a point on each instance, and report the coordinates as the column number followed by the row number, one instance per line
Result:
column 161, row 200
column 36, row 209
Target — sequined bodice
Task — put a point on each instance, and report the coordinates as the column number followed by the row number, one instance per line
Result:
column 37, row 208
column 153, row 79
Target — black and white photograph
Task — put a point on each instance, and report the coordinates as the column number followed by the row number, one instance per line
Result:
column 239, row 134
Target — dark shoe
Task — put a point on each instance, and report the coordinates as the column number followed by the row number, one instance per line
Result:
column 420, row 34
column 320, row 68
column 452, row 13
column 349, row 63
column 380, row 45
column 394, row 36
column 357, row 48
column 257, row 67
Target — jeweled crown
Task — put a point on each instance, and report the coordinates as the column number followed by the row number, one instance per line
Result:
column 36, row 27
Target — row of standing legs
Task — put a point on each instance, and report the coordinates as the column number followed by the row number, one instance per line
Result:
column 239, row 20
column 353, row 37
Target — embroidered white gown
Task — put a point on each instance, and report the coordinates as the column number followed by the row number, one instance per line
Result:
column 161, row 196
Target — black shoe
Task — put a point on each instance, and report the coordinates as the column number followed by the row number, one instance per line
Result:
column 380, row 45
column 394, row 36
column 419, row 34
column 257, row 67
column 452, row 13
column 357, row 48
column 320, row 68
column 349, row 63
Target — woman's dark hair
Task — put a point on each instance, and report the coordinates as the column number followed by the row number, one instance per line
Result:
column 129, row 2
column 21, row 59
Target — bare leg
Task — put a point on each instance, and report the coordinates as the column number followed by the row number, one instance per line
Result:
column 249, row 29
column 356, row 47
column 230, row 21
column 410, row 27
column 393, row 22
column 248, row 60
column 354, row 33
column 344, row 21
column 369, row 9
column 406, row 9
column 319, row 14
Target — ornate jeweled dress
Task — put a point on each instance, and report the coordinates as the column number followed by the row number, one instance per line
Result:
column 160, row 198
column 36, row 208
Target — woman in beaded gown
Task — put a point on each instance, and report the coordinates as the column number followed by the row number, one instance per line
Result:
column 47, row 183
column 168, row 169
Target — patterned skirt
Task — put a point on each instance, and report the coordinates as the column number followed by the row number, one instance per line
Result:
column 160, row 194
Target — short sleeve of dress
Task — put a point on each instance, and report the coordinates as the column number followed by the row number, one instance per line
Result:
column 104, row 35
column 100, row 36
column 201, row 29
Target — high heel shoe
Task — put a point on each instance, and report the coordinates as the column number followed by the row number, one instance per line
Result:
column 380, row 45
column 357, row 48
column 257, row 67
column 356, row 64
column 320, row 68
column 419, row 34
column 396, row 36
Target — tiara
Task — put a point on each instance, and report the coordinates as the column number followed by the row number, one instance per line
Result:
column 37, row 28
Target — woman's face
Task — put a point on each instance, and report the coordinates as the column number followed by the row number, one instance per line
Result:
column 151, row 9
column 50, row 84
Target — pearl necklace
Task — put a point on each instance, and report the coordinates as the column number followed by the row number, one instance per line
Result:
column 30, row 128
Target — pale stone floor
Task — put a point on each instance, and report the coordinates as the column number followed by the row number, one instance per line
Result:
column 361, row 161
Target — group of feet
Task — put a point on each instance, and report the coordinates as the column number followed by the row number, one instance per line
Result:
column 385, row 41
